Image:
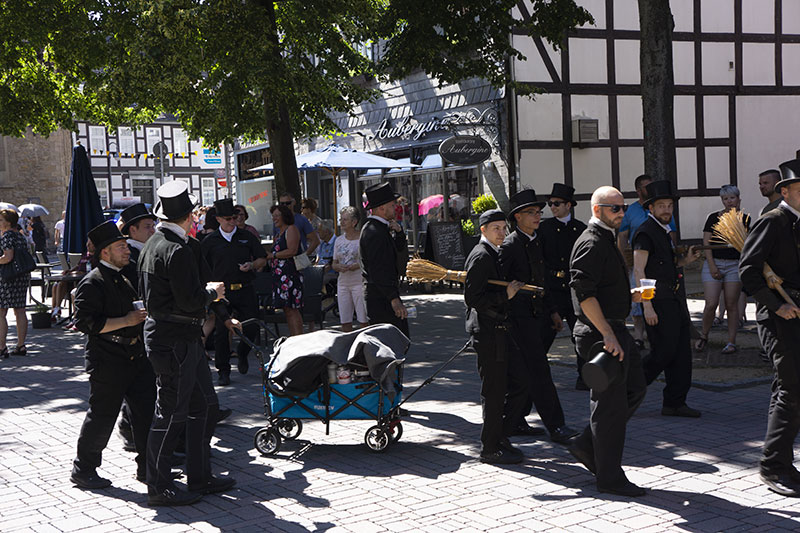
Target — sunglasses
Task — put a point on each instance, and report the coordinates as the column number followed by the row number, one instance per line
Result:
column 615, row 208
column 555, row 203
column 289, row 202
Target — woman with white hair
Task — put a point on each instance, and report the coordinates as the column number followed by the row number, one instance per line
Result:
column 350, row 284
column 720, row 274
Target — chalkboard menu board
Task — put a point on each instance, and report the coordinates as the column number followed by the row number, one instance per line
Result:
column 443, row 245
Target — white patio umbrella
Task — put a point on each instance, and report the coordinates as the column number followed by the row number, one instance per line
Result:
column 6, row 205
column 33, row 210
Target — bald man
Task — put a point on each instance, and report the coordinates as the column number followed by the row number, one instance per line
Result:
column 602, row 298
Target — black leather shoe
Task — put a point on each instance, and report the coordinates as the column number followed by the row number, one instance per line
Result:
column 503, row 456
column 585, row 458
column 684, row 410
column 223, row 414
column 243, row 365
column 213, row 485
column 527, row 431
column 173, row 497
column 782, row 484
column 625, row 489
column 563, row 435
column 90, row 481
column 142, row 477
column 224, row 378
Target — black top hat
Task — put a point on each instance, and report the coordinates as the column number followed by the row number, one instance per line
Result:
column 379, row 194
column 492, row 215
column 105, row 234
column 523, row 199
column 657, row 190
column 224, row 207
column 790, row 172
column 134, row 214
column 602, row 369
column 562, row 190
column 174, row 200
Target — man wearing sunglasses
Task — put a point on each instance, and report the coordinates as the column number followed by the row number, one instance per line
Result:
column 602, row 298
column 521, row 260
column 558, row 235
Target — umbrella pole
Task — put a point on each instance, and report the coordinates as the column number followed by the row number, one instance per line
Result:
column 445, row 194
column 414, row 211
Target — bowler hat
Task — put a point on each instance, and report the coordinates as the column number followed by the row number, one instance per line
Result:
column 134, row 214
column 562, row 190
column 105, row 234
column 658, row 190
column 174, row 200
column 523, row 199
column 224, row 207
column 790, row 172
column 602, row 369
column 379, row 194
column 492, row 215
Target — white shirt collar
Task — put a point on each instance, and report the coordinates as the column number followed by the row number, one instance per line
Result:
column 136, row 244
column 174, row 228
column 495, row 248
column 791, row 209
column 109, row 265
column 664, row 227
column 531, row 237
column 566, row 219
column 380, row 219
column 598, row 222
column 227, row 236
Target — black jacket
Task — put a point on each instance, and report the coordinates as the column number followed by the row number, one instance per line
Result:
column 487, row 305
column 131, row 270
column 224, row 257
column 383, row 259
column 661, row 260
column 775, row 240
column 170, row 282
column 102, row 294
column 557, row 242
column 521, row 259
column 597, row 270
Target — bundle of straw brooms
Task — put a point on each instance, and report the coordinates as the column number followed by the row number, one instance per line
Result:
column 428, row 271
column 730, row 228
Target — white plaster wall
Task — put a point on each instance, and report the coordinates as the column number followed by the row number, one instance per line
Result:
column 718, row 166
column 587, row 58
column 626, row 59
column 716, row 16
column 686, row 159
column 683, row 62
column 540, row 119
column 533, row 68
column 758, row 16
column 626, row 14
column 683, row 14
column 592, row 106
column 715, row 116
column 631, row 165
column 693, row 213
column 716, row 69
column 791, row 64
column 598, row 10
column 684, row 117
column 539, row 169
column 591, row 168
column 791, row 16
column 758, row 63
column 767, row 134
column 629, row 117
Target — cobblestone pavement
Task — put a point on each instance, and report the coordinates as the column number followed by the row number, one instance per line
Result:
column 701, row 474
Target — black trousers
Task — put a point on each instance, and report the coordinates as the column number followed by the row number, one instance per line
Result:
column 379, row 311
column 243, row 305
column 670, row 351
column 531, row 371
column 780, row 339
column 604, row 437
column 567, row 312
column 500, row 411
column 186, row 401
column 112, row 379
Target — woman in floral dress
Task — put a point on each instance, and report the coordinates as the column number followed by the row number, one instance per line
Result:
column 287, row 281
column 13, row 291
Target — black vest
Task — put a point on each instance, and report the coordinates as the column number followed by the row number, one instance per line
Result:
column 661, row 261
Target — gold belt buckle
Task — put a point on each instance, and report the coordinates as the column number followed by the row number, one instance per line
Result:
column 236, row 286
column 561, row 274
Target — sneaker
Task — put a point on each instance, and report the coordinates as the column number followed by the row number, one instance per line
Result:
column 90, row 481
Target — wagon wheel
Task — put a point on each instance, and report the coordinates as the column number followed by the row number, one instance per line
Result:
column 289, row 428
column 267, row 441
column 377, row 439
column 395, row 430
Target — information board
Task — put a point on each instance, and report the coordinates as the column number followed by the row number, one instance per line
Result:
column 443, row 245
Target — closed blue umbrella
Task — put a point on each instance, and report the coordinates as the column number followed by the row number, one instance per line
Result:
column 83, row 203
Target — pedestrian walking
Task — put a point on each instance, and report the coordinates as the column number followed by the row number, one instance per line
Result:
column 13, row 289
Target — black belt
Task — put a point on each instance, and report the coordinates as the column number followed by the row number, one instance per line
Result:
column 179, row 319
column 236, row 286
column 119, row 339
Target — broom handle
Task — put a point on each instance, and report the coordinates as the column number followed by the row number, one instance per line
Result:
column 530, row 288
column 774, row 282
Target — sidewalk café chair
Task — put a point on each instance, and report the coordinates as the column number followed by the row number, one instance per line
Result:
column 62, row 258
column 312, row 298
column 74, row 259
column 39, row 281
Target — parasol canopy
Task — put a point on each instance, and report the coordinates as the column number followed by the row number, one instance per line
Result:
column 336, row 158
column 83, row 203
column 456, row 202
column 6, row 205
column 33, row 210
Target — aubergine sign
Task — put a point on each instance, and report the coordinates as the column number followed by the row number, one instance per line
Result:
column 465, row 150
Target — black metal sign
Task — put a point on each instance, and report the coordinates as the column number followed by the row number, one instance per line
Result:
column 465, row 150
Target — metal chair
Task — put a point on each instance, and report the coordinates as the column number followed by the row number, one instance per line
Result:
column 74, row 259
column 62, row 259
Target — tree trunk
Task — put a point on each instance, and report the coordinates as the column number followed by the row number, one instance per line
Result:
column 655, row 20
column 279, row 126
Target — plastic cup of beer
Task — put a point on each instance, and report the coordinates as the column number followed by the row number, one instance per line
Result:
column 648, row 288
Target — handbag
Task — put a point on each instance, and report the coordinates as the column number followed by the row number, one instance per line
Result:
column 302, row 261
column 21, row 264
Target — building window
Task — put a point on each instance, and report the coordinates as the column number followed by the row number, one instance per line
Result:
column 102, row 191
column 153, row 136
column 127, row 142
column 180, row 145
column 97, row 139
column 209, row 190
